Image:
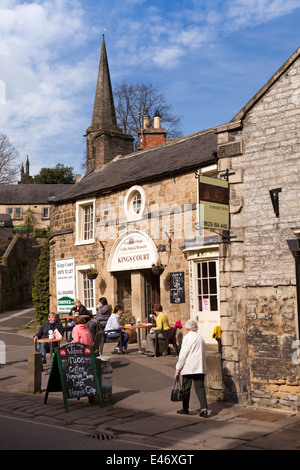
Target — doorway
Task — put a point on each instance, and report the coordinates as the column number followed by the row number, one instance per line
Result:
column 206, row 297
column 124, row 290
column 152, row 292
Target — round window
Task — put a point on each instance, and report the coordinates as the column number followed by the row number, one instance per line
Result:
column 135, row 203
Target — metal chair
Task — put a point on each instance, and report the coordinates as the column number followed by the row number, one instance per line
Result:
column 101, row 338
column 170, row 338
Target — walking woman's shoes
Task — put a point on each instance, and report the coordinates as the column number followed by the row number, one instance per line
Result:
column 183, row 412
column 203, row 414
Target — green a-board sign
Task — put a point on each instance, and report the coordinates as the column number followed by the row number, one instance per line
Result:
column 74, row 373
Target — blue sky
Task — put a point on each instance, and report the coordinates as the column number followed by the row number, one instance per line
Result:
column 208, row 58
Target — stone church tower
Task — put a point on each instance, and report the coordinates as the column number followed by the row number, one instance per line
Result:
column 104, row 139
column 25, row 177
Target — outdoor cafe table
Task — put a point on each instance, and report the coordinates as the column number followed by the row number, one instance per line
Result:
column 50, row 341
column 71, row 317
column 138, row 328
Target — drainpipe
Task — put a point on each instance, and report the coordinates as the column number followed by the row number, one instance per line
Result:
column 294, row 246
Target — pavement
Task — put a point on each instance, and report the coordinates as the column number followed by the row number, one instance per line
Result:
column 140, row 412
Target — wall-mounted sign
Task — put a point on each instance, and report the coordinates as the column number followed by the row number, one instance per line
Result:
column 65, row 284
column 177, row 288
column 213, row 203
column 134, row 250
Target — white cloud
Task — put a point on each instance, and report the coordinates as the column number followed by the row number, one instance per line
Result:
column 243, row 13
column 42, row 83
column 47, row 65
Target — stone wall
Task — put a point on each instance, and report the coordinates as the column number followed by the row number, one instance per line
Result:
column 257, row 281
column 170, row 208
column 104, row 146
column 17, row 270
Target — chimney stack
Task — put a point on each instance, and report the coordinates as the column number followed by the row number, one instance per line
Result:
column 151, row 137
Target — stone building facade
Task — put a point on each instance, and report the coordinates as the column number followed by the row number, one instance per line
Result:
column 29, row 201
column 134, row 211
column 258, row 298
column 140, row 208
column 144, row 210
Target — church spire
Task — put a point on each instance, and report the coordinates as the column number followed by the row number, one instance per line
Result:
column 104, row 139
column 104, row 115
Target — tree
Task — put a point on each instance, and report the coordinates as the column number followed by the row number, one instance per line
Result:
column 40, row 291
column 60, row 174
column 30, row 220
column 133, row 101
column 8, row 156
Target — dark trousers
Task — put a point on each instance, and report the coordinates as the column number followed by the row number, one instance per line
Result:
column 187, row 381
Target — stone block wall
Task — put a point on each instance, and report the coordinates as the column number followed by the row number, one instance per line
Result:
column 17, row 270
column 170, row 208
column 259, row 317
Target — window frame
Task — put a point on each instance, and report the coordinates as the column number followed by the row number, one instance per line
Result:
column 130, row 201
column 207, row 278
column 43, row 213
column 81, row 207
column 81, row 278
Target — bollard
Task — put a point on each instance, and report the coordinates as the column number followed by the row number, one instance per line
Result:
column 35, row 372
column 104, row 371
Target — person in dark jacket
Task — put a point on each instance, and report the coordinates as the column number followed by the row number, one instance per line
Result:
column 102, row 315
column 51, row 324
column 79, row 309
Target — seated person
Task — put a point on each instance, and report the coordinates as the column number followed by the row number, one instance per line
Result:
column 51, row 324
column 80, row 332
column 113, row 323
column 162, row 324
column 102, row 315
column 78, row 309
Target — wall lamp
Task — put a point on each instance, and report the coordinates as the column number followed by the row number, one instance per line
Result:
column 103, row 250
column 274, row 194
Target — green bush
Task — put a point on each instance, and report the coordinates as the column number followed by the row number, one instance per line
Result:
column 40, row 291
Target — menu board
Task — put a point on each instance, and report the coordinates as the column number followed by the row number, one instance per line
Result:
column 177, row 288
column 74, row 372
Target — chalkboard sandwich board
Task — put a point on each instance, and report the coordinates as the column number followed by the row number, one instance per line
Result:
column 177, row 288
column 74, row 373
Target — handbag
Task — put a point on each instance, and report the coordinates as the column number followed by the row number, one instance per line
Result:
column 177, row 393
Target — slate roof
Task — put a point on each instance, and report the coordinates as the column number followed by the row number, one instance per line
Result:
column 178, row 157
column 29, row 193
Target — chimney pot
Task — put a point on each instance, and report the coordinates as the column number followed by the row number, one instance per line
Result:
column 156, row 120
column 146, row 121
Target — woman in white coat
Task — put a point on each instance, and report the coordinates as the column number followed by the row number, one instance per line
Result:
column 192, row 366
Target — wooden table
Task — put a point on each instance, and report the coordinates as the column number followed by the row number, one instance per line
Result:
column 138, row 328
column 50, row 341
column 71, row 317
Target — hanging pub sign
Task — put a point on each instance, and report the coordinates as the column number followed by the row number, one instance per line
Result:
column 74, row 373
column 213, row 203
